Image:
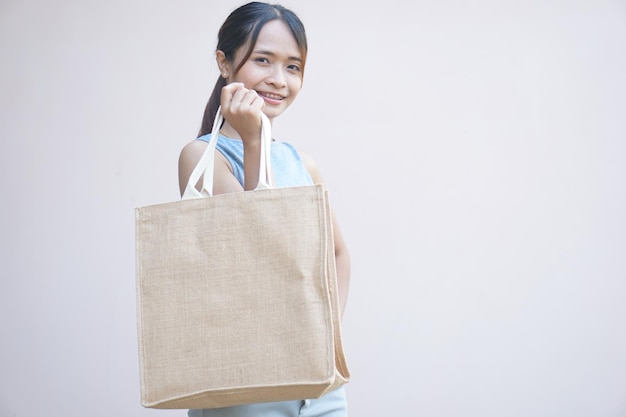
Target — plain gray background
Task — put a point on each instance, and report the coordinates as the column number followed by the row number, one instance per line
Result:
column 475, row 154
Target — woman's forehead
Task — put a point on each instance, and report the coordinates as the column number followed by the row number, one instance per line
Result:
column 276, row 37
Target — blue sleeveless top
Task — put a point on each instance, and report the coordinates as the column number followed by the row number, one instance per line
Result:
column 287, row 166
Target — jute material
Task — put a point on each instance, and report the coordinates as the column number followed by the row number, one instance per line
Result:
column 237, row 299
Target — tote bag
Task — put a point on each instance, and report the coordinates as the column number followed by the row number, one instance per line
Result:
column 236, row 293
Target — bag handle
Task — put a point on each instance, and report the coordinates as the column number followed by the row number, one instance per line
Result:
column 206, row 164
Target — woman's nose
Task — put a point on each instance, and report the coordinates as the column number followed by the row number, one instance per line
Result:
column 277, row 77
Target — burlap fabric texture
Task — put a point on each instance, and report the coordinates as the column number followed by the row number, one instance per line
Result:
column 237, row 295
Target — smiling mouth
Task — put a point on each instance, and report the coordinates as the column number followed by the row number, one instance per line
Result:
column 271, row 96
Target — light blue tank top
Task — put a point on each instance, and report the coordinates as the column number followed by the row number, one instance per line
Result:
column 287, row 166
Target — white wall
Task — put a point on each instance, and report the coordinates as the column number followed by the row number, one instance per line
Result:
column 476, row 158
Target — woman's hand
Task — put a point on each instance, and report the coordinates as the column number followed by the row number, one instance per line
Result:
column 242, row 108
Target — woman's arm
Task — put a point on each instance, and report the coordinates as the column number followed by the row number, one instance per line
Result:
column 241, row 108
column 342, row 256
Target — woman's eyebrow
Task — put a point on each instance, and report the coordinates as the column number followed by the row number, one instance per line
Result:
column 270, row 53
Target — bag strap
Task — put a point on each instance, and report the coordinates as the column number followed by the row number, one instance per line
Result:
column 206, row 164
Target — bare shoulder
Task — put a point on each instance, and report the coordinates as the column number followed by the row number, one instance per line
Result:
column 311, row 166
column 192, row 150
column 188, row 159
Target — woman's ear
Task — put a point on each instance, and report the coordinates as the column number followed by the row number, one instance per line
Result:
column 223, row 64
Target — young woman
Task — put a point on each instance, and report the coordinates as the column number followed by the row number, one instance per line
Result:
column 261, row 54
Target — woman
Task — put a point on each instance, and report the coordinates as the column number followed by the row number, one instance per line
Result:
column 261, row 54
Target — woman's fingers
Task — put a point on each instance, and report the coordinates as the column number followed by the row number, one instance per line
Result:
column 242, row 108
column 228, row 92
column 238, row 99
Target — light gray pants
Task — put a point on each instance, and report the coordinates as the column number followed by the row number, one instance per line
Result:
column 332, row 404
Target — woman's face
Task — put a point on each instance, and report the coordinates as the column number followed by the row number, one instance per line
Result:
column 273, row 69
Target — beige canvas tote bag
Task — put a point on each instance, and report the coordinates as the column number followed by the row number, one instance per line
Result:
column 236, row 294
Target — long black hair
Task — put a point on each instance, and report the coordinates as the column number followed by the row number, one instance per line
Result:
column 244, row 24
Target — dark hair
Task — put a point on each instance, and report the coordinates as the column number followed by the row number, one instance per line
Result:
column 244, row 24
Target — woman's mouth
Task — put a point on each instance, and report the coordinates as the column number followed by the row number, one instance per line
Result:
column 271, row 98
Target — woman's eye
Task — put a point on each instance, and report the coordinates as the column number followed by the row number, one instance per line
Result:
column 261, row 59
column 294, row 68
